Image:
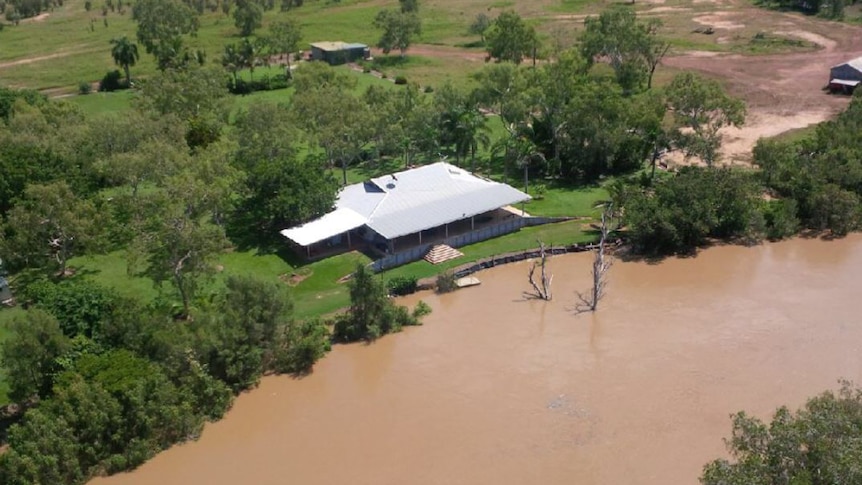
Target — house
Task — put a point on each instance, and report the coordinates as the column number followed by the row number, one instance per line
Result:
column 845, row 77
column 5, row 291
column 335, row 53
column 406, row 212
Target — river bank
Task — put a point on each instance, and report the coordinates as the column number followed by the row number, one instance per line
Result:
column 495, row 389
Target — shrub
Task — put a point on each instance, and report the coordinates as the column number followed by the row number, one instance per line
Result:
column 403, row 285
column 421, row 310
column 446, row 282
column 84, row 87
column 781, row 219
column 112, row 81
column 429, row 89
column 400, row 80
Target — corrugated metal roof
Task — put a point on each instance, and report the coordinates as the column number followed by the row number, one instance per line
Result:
column 336, row 222
column 337, row 46
column 408, row 202
column 434, row 195
column 854, row 63
column 329, row 46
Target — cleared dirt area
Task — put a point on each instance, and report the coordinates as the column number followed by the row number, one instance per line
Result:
column 783, row 91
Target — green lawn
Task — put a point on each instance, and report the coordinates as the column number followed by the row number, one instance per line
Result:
column 95, row 104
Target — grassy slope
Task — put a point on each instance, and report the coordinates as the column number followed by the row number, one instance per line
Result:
column 72, row 45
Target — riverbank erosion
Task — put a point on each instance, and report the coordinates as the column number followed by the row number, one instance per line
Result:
column 495, row 389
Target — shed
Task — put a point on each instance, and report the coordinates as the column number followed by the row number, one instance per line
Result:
column 335, row 53
column 845, row 77
column 5, row 291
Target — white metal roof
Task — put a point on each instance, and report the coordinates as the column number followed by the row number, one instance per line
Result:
column 434, row 195
column 844, row 82
column 336, row 222
column 408, row 202
column 854, row 63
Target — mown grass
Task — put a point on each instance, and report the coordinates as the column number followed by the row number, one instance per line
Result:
column 119, row 101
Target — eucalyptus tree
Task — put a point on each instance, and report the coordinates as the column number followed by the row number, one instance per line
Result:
column 400, row 29
column 161, row 27
column 284, row 37
column 510, row 38
column 701, row 108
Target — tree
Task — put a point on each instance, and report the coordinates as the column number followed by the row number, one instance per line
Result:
column 49, row 225
column 409, row 6
column 178, row 242
column 703, row 107
column 161, row 27
column 510, row 38
column 283, row 191
column 247, row 16
column 197, row 96
column 233, row 61
column 463, row 126
column 30, row 354
column 400, row 28
column 371, row 314
column 480, row 25
column 601, row 265
column 284, row 40
column 125, row 54
column 632, row 48
column 818, row 443
column 542, row 289
column 253, row 53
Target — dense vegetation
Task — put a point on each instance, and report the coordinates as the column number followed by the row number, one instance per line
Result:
column 105, row 381
column 817, row 444
column 812, row 184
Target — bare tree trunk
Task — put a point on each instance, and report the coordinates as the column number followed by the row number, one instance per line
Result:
column 542, row 289
column 601, row 265
column 179, row 280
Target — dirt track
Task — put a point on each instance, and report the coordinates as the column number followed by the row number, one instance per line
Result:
column 782, row 91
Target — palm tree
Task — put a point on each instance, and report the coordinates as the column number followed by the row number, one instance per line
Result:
column 471, row 131
column 232, row 60
column 125, row 54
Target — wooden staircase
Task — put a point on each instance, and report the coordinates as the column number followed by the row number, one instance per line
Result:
column 441, row 252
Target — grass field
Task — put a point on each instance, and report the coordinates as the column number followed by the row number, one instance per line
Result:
column 71, row 45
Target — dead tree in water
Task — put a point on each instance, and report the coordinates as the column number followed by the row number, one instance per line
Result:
column 542, row 289
column 602, row 263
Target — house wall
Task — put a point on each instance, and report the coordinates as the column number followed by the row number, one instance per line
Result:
column 418, row 252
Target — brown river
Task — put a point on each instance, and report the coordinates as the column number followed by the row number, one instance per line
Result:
column 497, row 390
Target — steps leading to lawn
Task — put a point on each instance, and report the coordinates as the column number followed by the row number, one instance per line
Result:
column 441, row 252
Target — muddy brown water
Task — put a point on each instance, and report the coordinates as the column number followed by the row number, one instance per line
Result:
column 496, row 390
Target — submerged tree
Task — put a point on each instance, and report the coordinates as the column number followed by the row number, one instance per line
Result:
column 589, row 301
column 542, row 288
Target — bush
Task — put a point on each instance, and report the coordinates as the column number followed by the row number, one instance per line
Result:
column 429, row 89
column 265, row 83
column 84, row 88
column 781, row 220
column 400, row 80
column 421, row 310
column 403, row 285
column 112, row 81
column 446, row 282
